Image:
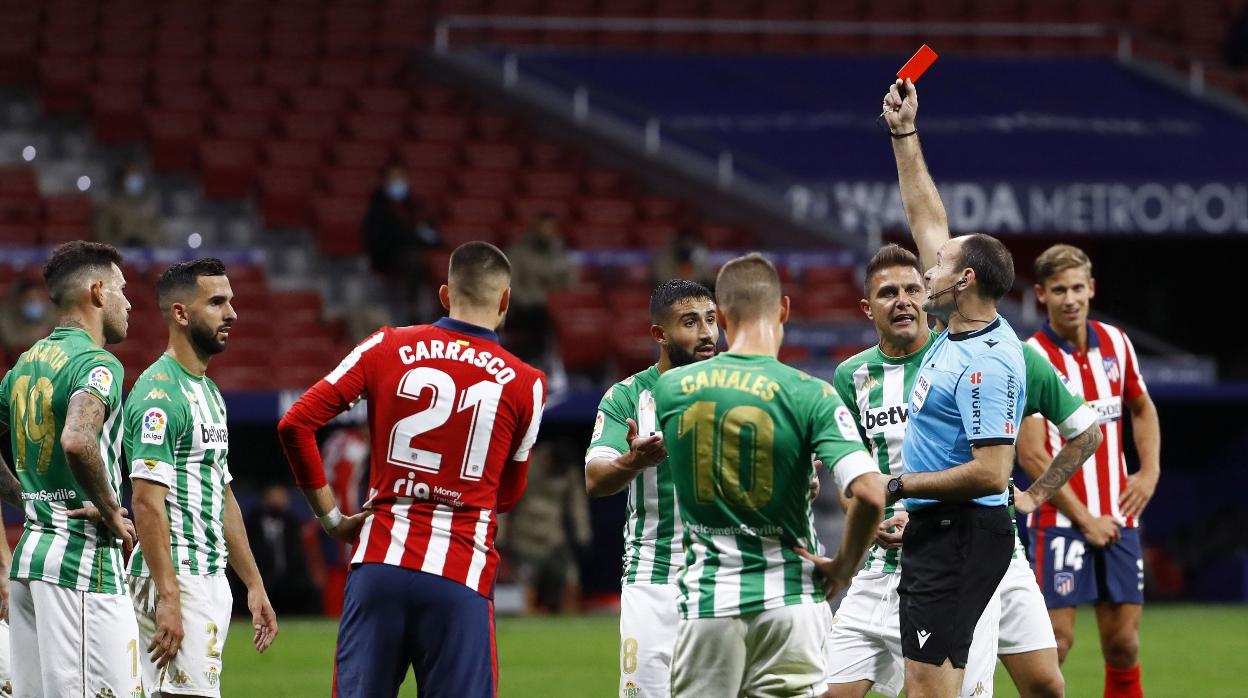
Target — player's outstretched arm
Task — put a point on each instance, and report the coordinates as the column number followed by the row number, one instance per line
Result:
column 80, row 441
column 263, row 619
column 1067, row 461
column 924, row 210
column 987, row 473
column 152, row 523
column 605, row 476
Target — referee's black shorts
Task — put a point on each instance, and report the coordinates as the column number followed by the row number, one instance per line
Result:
column 955, row 556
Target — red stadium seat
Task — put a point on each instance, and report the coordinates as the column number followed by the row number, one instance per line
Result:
column 440, row 128
column 492, row 156
column 288, row 73
column 476, row 210
column 18, row 181
column 341, row 40
column 526, row 210
column 337, row 222
column 353, row 183
column 284, row 193
column 600, row 181
column 317, row 99
column 382, row 100
column 791, row 10
column 655, row 207
column 427, row 184
column 17, row 234
column 68, row 41
column 608, row 211
column 428, row 155
column 174, row 137
column 498, row 183
column 117, row 112
column 582, row 334
column 294, row 154
column 493, row 127
column 837, row 10
column 819, row 279
column 244, row 16
column 182, row 97
column 238, row 43
column 456, row 234
column 310, row 127
column 654, row 236
column 360, row 155
column 122, row 69
column 227, row 169
column 19, row 47
column 374, row 127
column 437, row 99
column 599, row 236
column 254, row 98
column 68, row 209
column 550, row 183
column 232, row 72
column 241, row 126
column 548, row 155
column 343, row 72
column 63, row 84
column 284, row 43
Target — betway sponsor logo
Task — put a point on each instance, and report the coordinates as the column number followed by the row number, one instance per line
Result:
column 57, row 495
column 1108, row 409
column 885, row 417
column 212, row 436
column 741, row 529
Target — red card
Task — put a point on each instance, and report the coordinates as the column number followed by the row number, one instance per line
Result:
column 918, row 64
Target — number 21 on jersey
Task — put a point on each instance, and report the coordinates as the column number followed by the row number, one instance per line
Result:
column 480, row 398
column 733, row 456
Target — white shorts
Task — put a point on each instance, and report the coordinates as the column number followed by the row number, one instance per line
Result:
column 777, row 653
column 66, row 642
column 6, row 676
column 865, row 641
column 648, row 618
column 1025, row 624
column 196, row 668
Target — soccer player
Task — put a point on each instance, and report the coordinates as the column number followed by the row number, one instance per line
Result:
column 740, row 429
column 188, row 521
column 1087, row 541
column 73, row 628
column 453, row 417
column 625, row 452
column 864, row 648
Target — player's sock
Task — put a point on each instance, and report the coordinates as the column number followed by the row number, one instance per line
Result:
column 1123, row 683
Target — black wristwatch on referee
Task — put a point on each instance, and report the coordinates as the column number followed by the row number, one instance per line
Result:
column 895, row 489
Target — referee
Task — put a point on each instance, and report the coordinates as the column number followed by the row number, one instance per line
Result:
column 964, row 414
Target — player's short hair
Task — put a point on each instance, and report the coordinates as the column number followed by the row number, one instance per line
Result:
column 889, row 256
column 70, row 260
column 992, row 262
column 747, row 287
column 673, row 291
column 477, row 271
column 183, row 277
column 1058, row 259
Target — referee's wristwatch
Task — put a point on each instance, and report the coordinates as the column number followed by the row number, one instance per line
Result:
column 895, row 489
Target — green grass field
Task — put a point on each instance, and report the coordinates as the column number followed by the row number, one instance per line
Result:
column 1187, row 651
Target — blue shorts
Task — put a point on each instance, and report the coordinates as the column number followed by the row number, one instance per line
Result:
column 394, row 617
column 1072, row 573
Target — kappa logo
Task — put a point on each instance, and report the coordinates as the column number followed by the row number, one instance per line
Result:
column 923, row 637
column 977, row 378
column 979, row 689
column 157, row 394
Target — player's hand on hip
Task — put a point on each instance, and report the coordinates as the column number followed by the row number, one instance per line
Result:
column 1101, row 531
column 168, row 638
column 348, row 529
column 891, row 540
column 1139, row 490
column 123, row 528
column 898, row 112
column 644, row 451
column 835, row 577
column 263, row 619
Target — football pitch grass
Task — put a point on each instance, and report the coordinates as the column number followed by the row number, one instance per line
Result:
column 1186, row 651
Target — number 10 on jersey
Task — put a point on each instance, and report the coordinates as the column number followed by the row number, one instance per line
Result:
column 743, row 437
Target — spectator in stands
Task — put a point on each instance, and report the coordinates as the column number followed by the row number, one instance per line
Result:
column 277, row 542
column 130, row 217
column 683, row 258
column 25, row 318
column 539, row 264
column 547, row 528
column 1237, row 40
column 397, row 231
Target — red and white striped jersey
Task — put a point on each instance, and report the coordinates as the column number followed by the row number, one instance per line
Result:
column 1105, row 375
column 453, row 418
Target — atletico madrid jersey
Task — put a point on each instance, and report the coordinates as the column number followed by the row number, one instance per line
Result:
column 450, row 413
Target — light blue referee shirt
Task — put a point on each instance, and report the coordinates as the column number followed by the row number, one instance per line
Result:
column 970, row 391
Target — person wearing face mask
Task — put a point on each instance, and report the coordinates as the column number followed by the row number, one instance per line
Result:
column 130, row 217
column 539, row 264
column 397, row 231
column 25, row 318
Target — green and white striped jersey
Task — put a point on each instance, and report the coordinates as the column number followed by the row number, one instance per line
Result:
column 652, row 528
column 34, row 400
column 877, row 388
column 176, row 435
column 740, row 430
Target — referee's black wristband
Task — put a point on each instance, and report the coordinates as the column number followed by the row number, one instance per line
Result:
column 903, row 135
